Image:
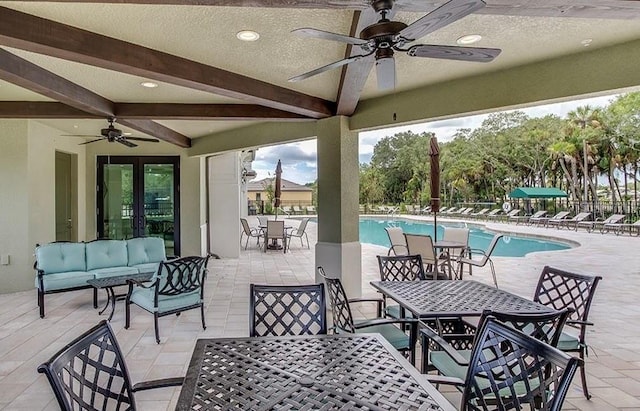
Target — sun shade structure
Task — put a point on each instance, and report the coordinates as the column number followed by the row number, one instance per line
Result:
column 537, row 192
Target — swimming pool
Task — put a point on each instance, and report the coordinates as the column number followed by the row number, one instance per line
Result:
column 372, row 232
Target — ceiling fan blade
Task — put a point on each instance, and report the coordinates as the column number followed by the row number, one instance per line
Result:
column 328, row 67
column 79, row 135
column 386, row 73
column 440, row 17
column 476, row 54
column 151, row 140
column 126, row 143
column 89, row 142
column 326, row 35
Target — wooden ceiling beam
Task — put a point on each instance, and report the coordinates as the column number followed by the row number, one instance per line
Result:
column 32, row 77
column 171, row 111
column 39, row 35
column 25, row 74
column 605, row 9
column 157, row 130
column 42, row 109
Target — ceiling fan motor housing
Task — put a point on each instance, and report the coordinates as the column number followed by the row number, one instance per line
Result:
column 383, row 33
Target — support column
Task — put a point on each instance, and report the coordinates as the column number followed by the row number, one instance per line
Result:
column 338, row 249
column 224, row 205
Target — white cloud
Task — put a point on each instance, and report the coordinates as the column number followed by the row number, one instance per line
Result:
column 299, row 160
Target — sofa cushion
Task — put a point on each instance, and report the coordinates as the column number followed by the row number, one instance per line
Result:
column 113, row 271
column 145, row 250
column 62, row 281
column 144, row 298
column 61, row 257
column 106, row 253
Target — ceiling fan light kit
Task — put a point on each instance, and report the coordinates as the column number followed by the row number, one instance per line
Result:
column 381, row 39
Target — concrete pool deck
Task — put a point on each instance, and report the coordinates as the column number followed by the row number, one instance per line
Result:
column 613, row 366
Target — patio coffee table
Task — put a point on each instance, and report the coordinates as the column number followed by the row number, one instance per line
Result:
column 324, row 372
column 108, row 284
column 454, row 298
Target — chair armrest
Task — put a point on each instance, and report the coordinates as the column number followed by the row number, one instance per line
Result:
column 383, row 321
column 141, row 284
column 579, row 322
column 165, row 382
column 441, row 379
column 437, row 339
column 378, row 301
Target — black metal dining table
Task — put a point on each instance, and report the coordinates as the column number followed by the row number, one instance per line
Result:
column 454, row 298
column 326, row 372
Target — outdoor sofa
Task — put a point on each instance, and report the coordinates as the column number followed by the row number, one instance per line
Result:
column 66, row 266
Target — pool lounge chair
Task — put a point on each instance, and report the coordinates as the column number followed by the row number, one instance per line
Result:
column 544, row 221
column 425, row 210
column 525, row 219
column 286, row 210
column 620, row 228
column 312, row 209
column 509, row 215
column 466, row 212
column 297, row 210
column 571, row 223
column 593, row 225
column 479, row 214
column 492, row 214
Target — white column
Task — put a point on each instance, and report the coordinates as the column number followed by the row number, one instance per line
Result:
column 338, row 249
column 224, row 204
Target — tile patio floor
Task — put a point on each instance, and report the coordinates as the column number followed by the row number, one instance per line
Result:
column 26, row 340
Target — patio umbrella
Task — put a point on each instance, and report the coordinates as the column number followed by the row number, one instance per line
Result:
column 435, row 183
column 278, row 188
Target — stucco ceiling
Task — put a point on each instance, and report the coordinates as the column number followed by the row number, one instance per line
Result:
column 207, row 34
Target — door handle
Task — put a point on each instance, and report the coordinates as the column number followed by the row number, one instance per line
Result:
column 133, row 221
column 143, row 221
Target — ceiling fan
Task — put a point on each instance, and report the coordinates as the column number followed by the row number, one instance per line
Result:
column 112, row 134
column 380, row 40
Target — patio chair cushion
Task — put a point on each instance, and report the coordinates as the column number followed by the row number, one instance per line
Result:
column 62, row 281
column 393, row 311
column 61, row 257
column 396, row 337
column 144, row 297
column 106, row 253
column 147, row 268
column 447, row 366
column 145, row 250
column 568, row 342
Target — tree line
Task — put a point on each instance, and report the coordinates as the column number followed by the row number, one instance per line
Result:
column 509, row 150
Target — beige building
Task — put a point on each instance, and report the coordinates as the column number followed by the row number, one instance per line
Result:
column 292, row 193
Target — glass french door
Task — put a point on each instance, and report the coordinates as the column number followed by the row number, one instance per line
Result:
column 139, row 196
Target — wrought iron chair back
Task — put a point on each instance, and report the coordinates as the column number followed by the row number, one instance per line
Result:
column 90, row 373
column 561, row 289
column 511, row 370
column 180, row 276
column 401, row 268
column 287, row 310
column 340, row 309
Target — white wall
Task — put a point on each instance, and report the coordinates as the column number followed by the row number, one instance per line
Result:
column 27, row 195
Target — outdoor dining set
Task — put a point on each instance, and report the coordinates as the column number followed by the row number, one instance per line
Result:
column 305, row 349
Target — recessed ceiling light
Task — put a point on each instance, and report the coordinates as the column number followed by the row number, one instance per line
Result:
column 75, row 126
column 149, row 84
column 469, row 39
column 126, row 134
column 586, row 42
column 247, row 35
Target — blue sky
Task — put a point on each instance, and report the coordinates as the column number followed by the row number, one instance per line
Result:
column 299, row 159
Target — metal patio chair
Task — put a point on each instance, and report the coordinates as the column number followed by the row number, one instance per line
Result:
column 90, row 374
column 399, row 268
column 511, row 370
column 467, row 258
column 249, row 232
column 391, row 329
column 560, row 289
column 177, row 286
column 287, row 310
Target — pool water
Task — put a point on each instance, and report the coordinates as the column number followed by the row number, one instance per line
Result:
column 372, row 231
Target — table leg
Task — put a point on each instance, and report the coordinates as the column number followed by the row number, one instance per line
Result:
column 112, row 297
column 106, row 304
